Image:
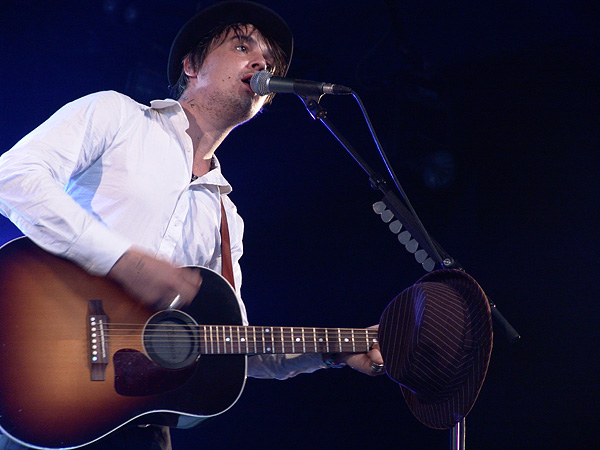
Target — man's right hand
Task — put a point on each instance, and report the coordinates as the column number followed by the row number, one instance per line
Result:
column 154, row 282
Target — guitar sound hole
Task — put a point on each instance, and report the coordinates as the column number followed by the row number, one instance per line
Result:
column 171, row 339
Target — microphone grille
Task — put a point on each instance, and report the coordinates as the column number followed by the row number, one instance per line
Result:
column 259, row 82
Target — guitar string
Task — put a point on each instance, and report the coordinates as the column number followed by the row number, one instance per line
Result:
column 291, row 331
column 276, row 339
column 209, row 348
column 242, row 331
column 259, row 347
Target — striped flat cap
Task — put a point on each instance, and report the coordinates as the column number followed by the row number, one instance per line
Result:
column 436, row 341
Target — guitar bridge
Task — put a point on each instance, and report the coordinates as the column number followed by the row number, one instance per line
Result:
column 97, row 322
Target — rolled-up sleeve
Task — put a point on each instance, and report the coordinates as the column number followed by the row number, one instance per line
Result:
column 282, row 367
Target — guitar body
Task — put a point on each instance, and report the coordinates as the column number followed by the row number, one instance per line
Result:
column 48, row 395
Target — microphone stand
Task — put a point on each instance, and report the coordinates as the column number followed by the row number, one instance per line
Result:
column 434, row 255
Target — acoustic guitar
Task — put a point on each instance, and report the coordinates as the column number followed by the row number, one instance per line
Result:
column 80, row 358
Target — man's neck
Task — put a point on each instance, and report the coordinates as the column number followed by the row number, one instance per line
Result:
column 205, row 135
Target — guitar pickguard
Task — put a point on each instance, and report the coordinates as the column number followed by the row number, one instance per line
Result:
column 138, row 376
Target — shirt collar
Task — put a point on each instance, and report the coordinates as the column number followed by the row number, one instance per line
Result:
column 176, row 113
column 166, row 103
column 214, row 177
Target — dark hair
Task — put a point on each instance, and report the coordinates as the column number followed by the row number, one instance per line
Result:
column 215, row 38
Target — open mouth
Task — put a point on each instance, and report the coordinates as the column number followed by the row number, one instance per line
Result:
column 246, row 79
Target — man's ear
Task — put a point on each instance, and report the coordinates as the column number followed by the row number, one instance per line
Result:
column 189, row 67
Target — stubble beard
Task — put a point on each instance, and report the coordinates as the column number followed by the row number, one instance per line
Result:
column 231, row 108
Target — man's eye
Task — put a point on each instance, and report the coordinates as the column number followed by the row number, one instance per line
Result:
column 242, row 48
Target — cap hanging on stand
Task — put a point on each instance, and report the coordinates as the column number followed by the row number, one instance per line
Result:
column 436, row 341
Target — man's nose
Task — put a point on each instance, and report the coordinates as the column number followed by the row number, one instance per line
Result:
column 258, row 62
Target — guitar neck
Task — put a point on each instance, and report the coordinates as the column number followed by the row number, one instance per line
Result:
column 225, row 339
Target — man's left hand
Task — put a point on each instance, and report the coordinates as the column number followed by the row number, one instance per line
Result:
column 368, row 363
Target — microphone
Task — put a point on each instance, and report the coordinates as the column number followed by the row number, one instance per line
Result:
column 263, row 83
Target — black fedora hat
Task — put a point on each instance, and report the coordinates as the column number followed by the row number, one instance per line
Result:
column 267, row 21
column 436, row 341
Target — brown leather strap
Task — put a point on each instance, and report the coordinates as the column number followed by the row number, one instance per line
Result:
column 227, row 263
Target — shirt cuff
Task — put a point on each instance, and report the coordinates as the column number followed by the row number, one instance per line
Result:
column 282, row 367
column 97, row 249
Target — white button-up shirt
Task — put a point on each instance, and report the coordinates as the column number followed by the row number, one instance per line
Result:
column 106, row 173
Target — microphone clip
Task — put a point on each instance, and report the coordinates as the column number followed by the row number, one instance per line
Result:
column 313, row 105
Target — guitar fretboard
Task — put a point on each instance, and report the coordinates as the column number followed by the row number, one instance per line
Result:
column 225, row 339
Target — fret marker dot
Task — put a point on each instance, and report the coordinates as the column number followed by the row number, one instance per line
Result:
column 267, row 330
column 297, row 339
column 346, row 340
column 243, row 339
column 268, row 349
column 227, row 339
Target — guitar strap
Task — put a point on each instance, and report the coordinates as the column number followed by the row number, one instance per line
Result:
column 226, row 261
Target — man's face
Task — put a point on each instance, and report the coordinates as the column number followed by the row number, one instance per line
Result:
column 222, row 85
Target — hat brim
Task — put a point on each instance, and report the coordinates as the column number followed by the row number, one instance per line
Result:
column 264, row 19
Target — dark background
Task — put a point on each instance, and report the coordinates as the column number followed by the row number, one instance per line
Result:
column 489, row 112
